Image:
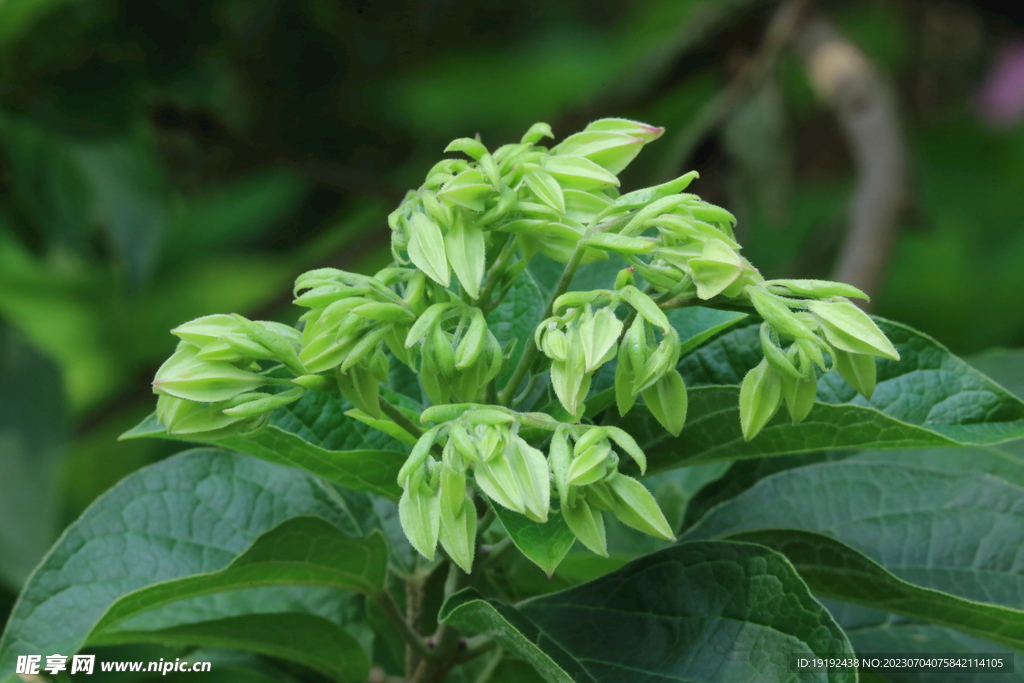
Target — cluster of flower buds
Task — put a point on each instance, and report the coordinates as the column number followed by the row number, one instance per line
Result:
column 544, row 197
column 208, row 388
column 437, row 506
column 579, row 340
column 351, row 319
column 460, row 354
column 819, row 321
column 586, row 475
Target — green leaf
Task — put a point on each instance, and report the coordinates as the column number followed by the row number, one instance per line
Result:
column 952, row 532
column 660, row 617
column 193, row 513
column 372, row 471
column 304, row 638
column 301, row 551
column 914, row 639
column 835, row 570
column 930, row 398
column 515, row 319
column 546, row 545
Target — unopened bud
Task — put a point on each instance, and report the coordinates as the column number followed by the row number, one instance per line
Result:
column 468, row 189
column 848, row 328
column 760, row 395
column 611, row 150
column 815, row 289
column 587, row 524
column 545, row 188
column 644, row 131
column 464, row 245
column 204, row 421
column 774, row 310
column 426, row 248
column 578, row 173
column 419, row 511
column 799, row 394
column 636, row 507
column 184, row 376
column 458, row 535
column 857, row 369
column 536, row 132
column 667, row 401
column 362, row 388
column 717, row 271
column 599, row 332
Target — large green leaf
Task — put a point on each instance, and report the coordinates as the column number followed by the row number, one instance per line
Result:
column 544, row 544
column 191, row 514
column 705, row 611
column 929, row 398
column 835, row 570
column 373, row 471
column 921, row 639
column 304, row 638
column 301, row 551
column 959, row 533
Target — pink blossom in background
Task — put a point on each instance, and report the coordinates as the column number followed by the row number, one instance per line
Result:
column 1001, row 100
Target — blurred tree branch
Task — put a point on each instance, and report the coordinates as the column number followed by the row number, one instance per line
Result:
column 865, row 109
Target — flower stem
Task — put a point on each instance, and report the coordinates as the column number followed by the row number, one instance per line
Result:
column 506, row 395
column 399, row 418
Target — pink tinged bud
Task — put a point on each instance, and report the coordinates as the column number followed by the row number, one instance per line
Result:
column 646, row 132
column 610, row 150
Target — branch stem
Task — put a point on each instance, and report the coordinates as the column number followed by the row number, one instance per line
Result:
column 398, row 417
column 397, row 619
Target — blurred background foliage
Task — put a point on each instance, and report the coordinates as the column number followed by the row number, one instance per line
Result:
column 163, row 160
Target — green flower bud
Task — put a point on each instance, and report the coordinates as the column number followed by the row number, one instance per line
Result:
column 611, row 150
column 384, row 312
column 587, row 524
column 628, row 444
column 620, row 244
column 577, row 173
column 625, row 278
column 799, row 394
column 425, row 323
column 283, row 342
column 545, row 188
column 645, row 132
column 426, row 248
column 554, row 345
column 362, row 388
column 775, row 356
column 257, row 404
column 858, row 369
column 473, row 341
column 536, row 132
column 635, row 506
column 774, row 310
column 468, row 189
column 436, row 384
column 625, row 378
column 850, row 329
column 314, row 382
column 569, row 379
column 204, row 421
column 453, row 484
column 531, row 471
column 559, row 458
column 663, row 359
column 184, row 376
column 641, row 198
column 206, row 330
column 583, row 207
column 718, row 268
column 592, row 462
column 367, row 345
column 644, row 306
column 667, row 401
column 814, row 289
column 495, row 478
column 709, row 213
column 467, row 255
column 760, row 395
column 469, row 146
column 599, row 332
column 458, row 535
column 419, row 511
